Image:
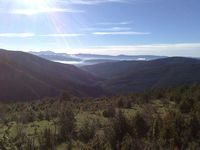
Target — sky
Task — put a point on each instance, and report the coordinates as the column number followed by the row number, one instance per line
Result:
column 132, row 27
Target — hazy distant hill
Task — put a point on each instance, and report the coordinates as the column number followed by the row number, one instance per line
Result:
column 55, row 56
column 89, row 59
column 24, row 76
column 141, row 75
column 118, row 57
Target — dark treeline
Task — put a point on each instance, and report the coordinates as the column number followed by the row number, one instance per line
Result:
column 155, row 120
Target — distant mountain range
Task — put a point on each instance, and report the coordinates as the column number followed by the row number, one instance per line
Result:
column 89, row 59
column 119, row 57
column 129, row 76
column 56, row 56
column 24, row 76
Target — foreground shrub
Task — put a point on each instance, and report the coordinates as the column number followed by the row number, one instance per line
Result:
column 109, row 112
column 88, row 130
column 47, row 140
column 66, row 125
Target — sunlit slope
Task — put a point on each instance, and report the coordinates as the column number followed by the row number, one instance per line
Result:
column 24, row 77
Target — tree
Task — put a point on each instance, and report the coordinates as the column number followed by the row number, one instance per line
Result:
column 117, row 130
column 66, row 125
column 88, row 130
column 140, row 125
column 47, row 140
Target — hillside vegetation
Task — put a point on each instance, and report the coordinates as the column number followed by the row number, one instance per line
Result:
column 154, row 120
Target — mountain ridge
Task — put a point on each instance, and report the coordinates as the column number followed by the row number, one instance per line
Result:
column 25, row 76
column 89, row 59
column 129, row 76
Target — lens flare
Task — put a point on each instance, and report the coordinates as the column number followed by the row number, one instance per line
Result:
column 51, row 13
column 36, row 2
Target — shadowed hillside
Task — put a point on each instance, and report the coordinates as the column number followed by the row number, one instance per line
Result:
column 129, row 76
column 24, row 77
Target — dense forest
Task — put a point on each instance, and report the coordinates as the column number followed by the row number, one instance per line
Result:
column 153, row 120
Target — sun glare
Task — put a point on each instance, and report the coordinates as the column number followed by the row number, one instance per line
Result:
column 35, row 4
column 32, row 7
column 33, row 1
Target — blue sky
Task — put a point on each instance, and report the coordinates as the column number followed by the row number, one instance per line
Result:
column 159, row 27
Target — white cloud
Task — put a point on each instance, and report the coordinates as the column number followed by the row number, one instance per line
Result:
column 62, row 35
column 114, row 23
column 176, row 49
column 108, row 29
column 95, row 2
column 92, row 2
column 17, row 35
column 121, row 33
column 30, row 34
column 43, row 10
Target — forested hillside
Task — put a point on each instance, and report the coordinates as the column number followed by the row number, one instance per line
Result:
column 158, row 119
column 128, row 76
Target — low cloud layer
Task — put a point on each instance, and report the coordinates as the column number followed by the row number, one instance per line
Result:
column 175, row 49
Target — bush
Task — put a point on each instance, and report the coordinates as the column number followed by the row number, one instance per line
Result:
column 47, row 140
column 66, row 125
column 186, row 105
column 28, row 116
column 109, row 112
column 88, row 130
column 117, row 130
column 140, row 125
column 99, row 142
